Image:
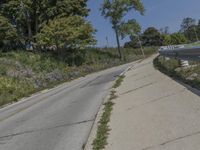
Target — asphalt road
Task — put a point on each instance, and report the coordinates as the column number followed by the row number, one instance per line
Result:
column 56, row 119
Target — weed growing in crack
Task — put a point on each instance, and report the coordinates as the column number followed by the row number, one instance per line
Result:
column 103, row 128
column 118, row 81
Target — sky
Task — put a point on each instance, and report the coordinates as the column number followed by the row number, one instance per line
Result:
column 159, row 13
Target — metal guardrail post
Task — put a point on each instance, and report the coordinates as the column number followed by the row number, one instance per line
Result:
column 184, row 63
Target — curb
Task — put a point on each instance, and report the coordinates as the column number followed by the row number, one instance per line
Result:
column 92, row 134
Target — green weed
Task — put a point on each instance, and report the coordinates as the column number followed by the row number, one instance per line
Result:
column 103, row 129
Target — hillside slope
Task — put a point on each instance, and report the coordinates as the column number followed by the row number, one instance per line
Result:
column 23, row 73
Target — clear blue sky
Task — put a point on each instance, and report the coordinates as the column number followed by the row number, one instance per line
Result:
column 159, row 13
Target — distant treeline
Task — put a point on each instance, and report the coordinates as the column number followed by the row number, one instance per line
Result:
column 189, row 32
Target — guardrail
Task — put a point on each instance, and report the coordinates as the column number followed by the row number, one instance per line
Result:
column 181, row 52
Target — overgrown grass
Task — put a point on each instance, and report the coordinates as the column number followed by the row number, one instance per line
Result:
column 171, row 67
column 11, row 89
column 103, row 129
column 23, row 73
column 192, row 44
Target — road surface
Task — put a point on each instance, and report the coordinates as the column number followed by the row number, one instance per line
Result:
column 56, row 119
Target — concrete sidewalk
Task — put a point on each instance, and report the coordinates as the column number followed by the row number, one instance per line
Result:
column 153, row 112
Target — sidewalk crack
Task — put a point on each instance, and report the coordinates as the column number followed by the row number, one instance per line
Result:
column 149, row 84
column 158, row 99
column 172, row 140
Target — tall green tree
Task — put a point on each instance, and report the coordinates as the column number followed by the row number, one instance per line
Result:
column 115, row 10
column 186, row 23
column 152, row 37
column 190, row 29
column 178, row 38
column 66, row 33
column 166, row 39
column 132, row 28
column 129, row 28
column 8, row 32
column 198, row 29
column 30, row 16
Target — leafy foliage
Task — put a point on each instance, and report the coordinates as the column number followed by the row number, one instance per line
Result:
column 69, row 32
column 115, row 10
column 167, row 40
column 186, row 23
column 33, row 19
column 152, row 36
column 178, row 38
column 32, row 15
column 7, row 30
column 131, row 28
column 190, row 29
column 133, row 43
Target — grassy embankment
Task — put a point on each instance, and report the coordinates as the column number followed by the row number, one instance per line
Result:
column 192, row 44
column 23, row 73
column 171, row 67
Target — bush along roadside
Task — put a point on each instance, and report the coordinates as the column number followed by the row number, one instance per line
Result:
column 189, row 75
column 103, row 129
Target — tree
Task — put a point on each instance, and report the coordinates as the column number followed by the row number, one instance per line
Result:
column 115, row 10
column 133, row 29
column 40, row 21
column 166, row 39
column 132, row 44
column 30, row 16
column 189, row 29
column 152, row 37
column 129, row 28
column 178, row 38
column 164, row 30
column 186, row 23
column 191, row 33
column 8, row 33
column 198, row 29
column 67, row 33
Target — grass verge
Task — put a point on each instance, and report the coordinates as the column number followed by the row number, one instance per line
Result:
column 171, row 67
column 23, row 73
column 103, row 129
